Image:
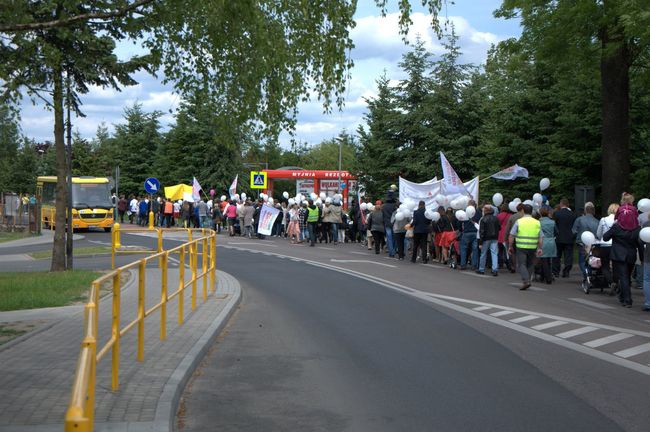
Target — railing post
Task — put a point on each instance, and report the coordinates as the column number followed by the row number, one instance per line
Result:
column 194, row 264
column 115, row 331
column 141, row 307
column 204, row 256
column 151, row 220
column 160, row 246
column 163, row 298
column 181, row 285
column 213, row 260
column 92, row 345
column 115, row 242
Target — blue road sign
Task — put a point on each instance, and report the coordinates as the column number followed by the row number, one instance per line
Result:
column 152, row 185
column 343, row 185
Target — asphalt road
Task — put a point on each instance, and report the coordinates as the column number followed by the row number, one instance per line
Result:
column 311, row 349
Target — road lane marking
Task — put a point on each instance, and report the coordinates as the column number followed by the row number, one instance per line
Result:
column 482, row 308
column 576, row 332
column 549, row 325
column 251, row 244
column 502, row 313
column 607, row 340
column 451, row 303
column 359, row 253
column 591, row 303
column 524, row 319
column 633, row 351
column 362, row 261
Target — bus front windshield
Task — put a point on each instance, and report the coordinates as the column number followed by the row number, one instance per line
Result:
column 91, row 195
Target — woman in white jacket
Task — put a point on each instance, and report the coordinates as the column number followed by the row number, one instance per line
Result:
column 605, row 246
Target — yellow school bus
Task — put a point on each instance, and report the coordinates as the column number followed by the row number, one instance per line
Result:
column 91, row 201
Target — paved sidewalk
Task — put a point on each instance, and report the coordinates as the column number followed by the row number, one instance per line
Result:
column 37, row 372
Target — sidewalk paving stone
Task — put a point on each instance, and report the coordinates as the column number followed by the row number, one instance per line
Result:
column 37, row 373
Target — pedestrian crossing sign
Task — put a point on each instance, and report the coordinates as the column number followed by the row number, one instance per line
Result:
column 258, row 180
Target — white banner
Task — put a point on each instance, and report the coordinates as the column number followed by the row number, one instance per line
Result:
column 232, row 190
column 196, row 188
column 267, row 219
column 511, row 173
column 428, row 190
column 451, row 183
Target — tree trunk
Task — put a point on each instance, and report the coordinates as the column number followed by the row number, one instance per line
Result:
column 615, row 82
column 58, row 248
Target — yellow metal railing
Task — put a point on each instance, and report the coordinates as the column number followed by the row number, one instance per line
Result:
column 80, row 413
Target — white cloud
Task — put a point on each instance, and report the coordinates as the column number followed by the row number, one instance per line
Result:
column 378, row 49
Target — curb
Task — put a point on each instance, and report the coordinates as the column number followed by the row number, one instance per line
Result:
column 168, row 402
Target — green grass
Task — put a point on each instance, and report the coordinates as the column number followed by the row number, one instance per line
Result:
column 79, row 251
column 20, row 290
column 9, row 236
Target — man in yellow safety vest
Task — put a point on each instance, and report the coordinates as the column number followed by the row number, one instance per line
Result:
column 528, row 236
column 313, row 213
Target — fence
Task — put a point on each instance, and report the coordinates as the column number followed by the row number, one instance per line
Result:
column 19, row 212
column 201, row 252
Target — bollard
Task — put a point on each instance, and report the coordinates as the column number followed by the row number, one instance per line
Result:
column 151, row 220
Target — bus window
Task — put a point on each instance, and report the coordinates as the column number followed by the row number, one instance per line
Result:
column 91, row 195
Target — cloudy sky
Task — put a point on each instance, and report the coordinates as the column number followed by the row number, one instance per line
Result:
column 378, row 47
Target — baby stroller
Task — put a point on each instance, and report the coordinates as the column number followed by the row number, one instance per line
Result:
column 593, row 277
column 454, row 253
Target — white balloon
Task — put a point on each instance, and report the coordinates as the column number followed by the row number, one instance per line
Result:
column 588, row 238
column 497, row 199
column 544, row 183
column 464, row 201
column 440, row 199
column 322, row 195
column 403, row 206
column 371, row 207
column 645, row 234
column 517, row 200
column 461, row 215
column 305, row 202
column 644, row 205
column 328, row 200
column 313, row 196
column 413, row 205
column 428, row 214
column 457, row 204
column 363, row 206
column 243, row 195
column 528, row 202
column 291, row 202
column 537, row 198
column 513, row 206
column 223, row 197
column 271, row 201
column 470, row 211
column 399, row 216
column 319, row 202
column 435, row 216
column 285, row 194
column 236, row 196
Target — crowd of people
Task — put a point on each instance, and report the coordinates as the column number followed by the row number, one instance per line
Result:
column 531, row 238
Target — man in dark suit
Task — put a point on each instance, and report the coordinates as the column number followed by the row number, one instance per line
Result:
column 421, row 226
column 564, row 219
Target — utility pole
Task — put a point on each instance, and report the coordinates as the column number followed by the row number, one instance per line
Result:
column 70, row 230
column 338, row 186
